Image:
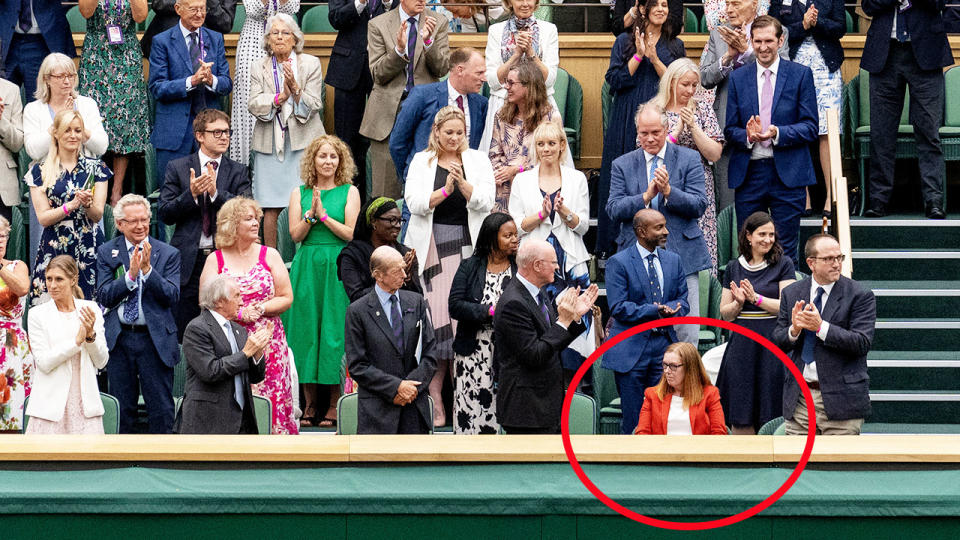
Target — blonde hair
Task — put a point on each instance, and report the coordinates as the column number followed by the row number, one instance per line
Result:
column 443, row 116
column 549, row 131
column 51, row 63
column 668, row 82
column 50, row 168
column 229, row 217
column 695, row 376
column 346, row 169
column 68, row 266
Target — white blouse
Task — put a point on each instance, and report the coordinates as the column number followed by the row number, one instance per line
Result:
column 678, row 421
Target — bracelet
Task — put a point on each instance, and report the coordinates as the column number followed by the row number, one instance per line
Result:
column 520, row 170
column 311, row 220
column 491, row 310
column 637, row 58
column 323, row 217
column 65, row 211
column 89, row 339
column 759, row 300
column 428, row 42
column 443, row 191
column 540, row 215
column 671, row 138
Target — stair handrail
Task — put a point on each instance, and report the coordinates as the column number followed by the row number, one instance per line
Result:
column 840, row 205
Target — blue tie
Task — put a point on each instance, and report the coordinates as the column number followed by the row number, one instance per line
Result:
column 810, row 338
column 543, row 307
column 238, row 378
column 131, row 307
column 902, row 34
column 655, row 202
column 654, row 279
column 411, row 50
column 396, row 321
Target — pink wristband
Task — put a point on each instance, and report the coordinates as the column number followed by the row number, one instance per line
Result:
column 540, row 215
column 323, row 218
column 443, row 191
column 428, row 42
column 276, row 99
column 759, row 300
column 491, row 310
column 65, row 211
column 240, row 314
column 671, row 138
column 520, row 170
column 637, row 58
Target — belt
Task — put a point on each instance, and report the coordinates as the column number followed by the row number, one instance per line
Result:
column 814, row 385
column 139, row 328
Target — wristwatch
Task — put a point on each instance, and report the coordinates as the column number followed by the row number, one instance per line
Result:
column 569, row 217
column 90, row 339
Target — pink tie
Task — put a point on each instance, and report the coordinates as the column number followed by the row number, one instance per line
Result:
column 766, row 104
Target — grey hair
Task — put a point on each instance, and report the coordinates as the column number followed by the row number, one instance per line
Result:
column 216, row 291
column 660, row 110
column 530, row 251
column 119, row 211
column 291, row 24
column 382, row 256
column 51, row 63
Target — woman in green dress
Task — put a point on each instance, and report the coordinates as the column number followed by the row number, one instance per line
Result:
column 111, row 73
column 322, row 213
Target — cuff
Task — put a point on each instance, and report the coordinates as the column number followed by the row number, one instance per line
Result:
column 824, row 328
column 189, row 85
column 790, row 335
column 400, row 54
column 131, row 285
column 213, row 87
column 561, row 325
column 776, row 139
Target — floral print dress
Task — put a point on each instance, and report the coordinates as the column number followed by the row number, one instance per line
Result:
column 75, row 235
column 16, row 365
column 256, row 287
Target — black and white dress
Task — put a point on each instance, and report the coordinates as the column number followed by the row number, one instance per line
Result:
column 474, row 402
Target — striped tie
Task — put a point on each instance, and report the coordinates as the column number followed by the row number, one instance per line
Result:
column 396, row 321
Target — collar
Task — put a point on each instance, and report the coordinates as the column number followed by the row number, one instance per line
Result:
column 774, row 67
column 205, row 158
column 383, row 295
column 453, row 94
column 644, row 252
column 661, row 154
column 219, row 318
column 185, row 32
column 129, row 245
column 404, row 16
column 813, row 287
column 531, row 288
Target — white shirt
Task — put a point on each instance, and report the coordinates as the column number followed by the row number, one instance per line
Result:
column 810, row 370
column 207, row 241
column 186, row 39
column 758, row 151
column 221, row 321
column 678, row 420
column 661, row 160
column 35, row 28
column 452, row 95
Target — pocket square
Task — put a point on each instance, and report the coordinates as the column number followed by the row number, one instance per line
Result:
column 114, row 253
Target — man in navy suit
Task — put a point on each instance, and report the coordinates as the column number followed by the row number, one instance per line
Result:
column 195, row 188
column 29, row 31
column 138, row 284
column 771, row 120
column 644, row 283
column 907, row 44
column 349, row 74
column 411, row 132
column 188, row 73
column 667, row 178
column 826, row 324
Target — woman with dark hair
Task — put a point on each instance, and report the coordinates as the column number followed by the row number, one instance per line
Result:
column 378, row 224
column 474, row 293
column 638, row 59
column 696, row 409
column 751, row 377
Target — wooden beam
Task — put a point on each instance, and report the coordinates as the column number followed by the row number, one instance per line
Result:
column 840, row 195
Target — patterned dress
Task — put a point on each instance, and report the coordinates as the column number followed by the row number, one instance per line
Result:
column 76, row 235
column 250, row 50
column 512, row 145
column 475, row 399
column 16, row 364
column 828, row 84
column 112, row 75
column 256, row 286
column 707, row 119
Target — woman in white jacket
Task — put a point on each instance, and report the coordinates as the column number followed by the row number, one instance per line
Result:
column 551, row 202
column 449, row 191
column 66, row 336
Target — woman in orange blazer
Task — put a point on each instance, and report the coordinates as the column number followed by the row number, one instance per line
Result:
column 696, row 411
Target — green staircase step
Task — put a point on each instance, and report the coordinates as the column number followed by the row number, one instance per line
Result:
column 917, row 334
column 925, row 299
column 918, row 264
column 894, row 232
column 920, row 407
column 914, row 378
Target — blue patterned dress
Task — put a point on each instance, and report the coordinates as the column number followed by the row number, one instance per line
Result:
column 76, row 235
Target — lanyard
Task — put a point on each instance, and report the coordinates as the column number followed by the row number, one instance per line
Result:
column 275, row 11
column 276, row 85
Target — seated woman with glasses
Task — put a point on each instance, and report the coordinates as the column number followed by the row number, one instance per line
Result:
column 696, row 409
column 378, row 225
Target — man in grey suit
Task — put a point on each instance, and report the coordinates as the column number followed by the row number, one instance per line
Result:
column 826, row 323
column 11, row 141
column 222, row 363
column 729, row 48
column 390, row 351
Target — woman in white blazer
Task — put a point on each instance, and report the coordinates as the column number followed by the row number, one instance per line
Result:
column 449, row 191
column 66, row 336
column 520, row 37
column 551, row 202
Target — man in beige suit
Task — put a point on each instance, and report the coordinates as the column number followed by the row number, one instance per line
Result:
column 407, row 46
column 11, row 141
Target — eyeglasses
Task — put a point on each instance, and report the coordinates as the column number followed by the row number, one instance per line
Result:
column 144, row 221
column 392, row 221
column 218, row 133
column 830, row 260
column 63, row 77
column 671, row 367
column 195, row 10
column 508, row 83
column 280, row 33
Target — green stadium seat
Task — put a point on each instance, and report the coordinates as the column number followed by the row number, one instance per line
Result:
column 781, row 429
column 285, row 244
column 111, row 414
column 605, row 390
column 347, row 414
column 851, row 23
column 109, row 225
column 146, row 22
column 17, row 244
column 239, row 19
column 690, row 23
column 544, row 13
column 950, row 132
column 606, row 101
column 263, row 410
column 180, row 376
column 316, row 19
column 771, row 427
column 727, row 236
column 710, row 292
column 78, row 24
column 584, row 416
column 569, row 97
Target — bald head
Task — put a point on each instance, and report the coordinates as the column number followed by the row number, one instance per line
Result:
column 650, row 227
column 536, row 261
column 386, row 266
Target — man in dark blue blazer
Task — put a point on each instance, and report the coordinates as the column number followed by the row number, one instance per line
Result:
column 349, row 74
column 29, row 31
column 138, row 284
column 676, row 191
column 826, row 325
column 195, row 189
column 769, row 128
column 906, row 43
column 411, row 131
column 188, row 73
column 644, row 283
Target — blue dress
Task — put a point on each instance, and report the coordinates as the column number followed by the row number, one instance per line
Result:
column 628, row 92
column 76, row 235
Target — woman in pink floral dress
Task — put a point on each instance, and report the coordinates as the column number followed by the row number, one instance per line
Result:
column 266, row 293
column 16, row 362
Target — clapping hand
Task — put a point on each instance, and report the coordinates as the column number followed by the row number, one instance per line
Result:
column 748, row 293
column 505, row 174
column 456, row 174
column 408, row 261
column 754, row 127
column 85, row 197
column 738, row 295
column 545, row 207
column 87, row 321
column 652, row 189
column 427, row 28
column 810, row 17
column 808, row 317
column 640, row 42
column 317, row 205
column 212, row 184
column 524, row 43
column 735, row 38
column 662, row 178
column 200, row 184
column 688, row 119
column 252, row 313
column 667, row 311
column 402, row 38
column 258, row 341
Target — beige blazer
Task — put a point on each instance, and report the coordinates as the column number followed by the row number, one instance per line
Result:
column 304, row 121
column 11, row 141
column 389, row 70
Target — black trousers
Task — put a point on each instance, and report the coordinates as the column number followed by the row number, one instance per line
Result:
column 189, row 307
column 348, row 107
column 135, row 367
column 926, row 114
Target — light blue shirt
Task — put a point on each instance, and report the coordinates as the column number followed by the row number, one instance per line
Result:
column 133, row 285
column 384, row 298
column 656, row 263
column 531, row 288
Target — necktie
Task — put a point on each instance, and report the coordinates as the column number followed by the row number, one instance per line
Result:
column 396, row 321
column 131, row 308
column 411, row 50
column 902, row 34
column 24, row 20
column 654, row 279
column 460, row 103
column 194, row 51
column 543, row 307
column 238, row 378
column 810, row 338
column 655, row 201
column 766, row 104
column 206, row 213
column 373, row 6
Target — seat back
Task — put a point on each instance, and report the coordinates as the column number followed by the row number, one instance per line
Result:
column 544, row 13
column 316, row 19
column 111, row 414
column 109, row 225
column 285, row 243
column 263, row 410
column 584, row 415
column 726, row 235
column 573, row 115
column 17, row 244
column 180, row 376
column 239, row 19
column 850, row 23
column 78, row 24
column 604, row 384
column 865, row 102
column 347, row 407
column 952, row 98
column 690, row 23
column 560, row 91
column 771, row 427
column 606, row 101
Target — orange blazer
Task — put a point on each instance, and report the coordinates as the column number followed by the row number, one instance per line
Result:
column 706, row 417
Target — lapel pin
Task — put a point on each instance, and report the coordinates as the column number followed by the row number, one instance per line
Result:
column 114, row 252
column 378, row 314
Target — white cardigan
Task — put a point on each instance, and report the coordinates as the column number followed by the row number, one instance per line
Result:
column 53, row 346
column 420, row 179
column 549, row 48
column 526, row 200
column 37, row 122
